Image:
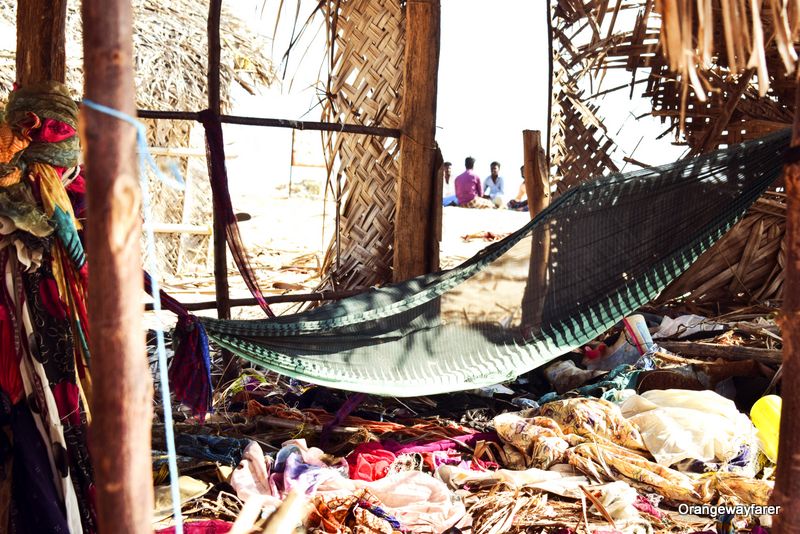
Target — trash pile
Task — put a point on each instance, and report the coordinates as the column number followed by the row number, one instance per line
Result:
column 624, row 437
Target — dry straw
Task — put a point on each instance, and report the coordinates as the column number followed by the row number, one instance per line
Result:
column 170, row 56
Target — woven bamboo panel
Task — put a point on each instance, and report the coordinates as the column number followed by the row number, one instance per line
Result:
column 179, row 254
column 579, row 143
column 364, row 87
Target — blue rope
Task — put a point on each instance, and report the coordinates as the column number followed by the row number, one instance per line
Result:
column 146, row 162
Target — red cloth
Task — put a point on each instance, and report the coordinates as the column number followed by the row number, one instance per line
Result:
column 212, row 526
column 51, row 301
column 369, row 461
column 67, row 399
column 52, row 131
column 10, row 377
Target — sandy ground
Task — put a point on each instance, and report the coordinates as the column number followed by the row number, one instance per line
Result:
column 287, row 238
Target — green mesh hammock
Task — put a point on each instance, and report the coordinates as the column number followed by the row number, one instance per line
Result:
column 596, row 254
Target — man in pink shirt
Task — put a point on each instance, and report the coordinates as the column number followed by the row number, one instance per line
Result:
column 469, row 189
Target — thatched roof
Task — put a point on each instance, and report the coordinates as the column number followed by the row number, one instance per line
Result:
column 170, row 49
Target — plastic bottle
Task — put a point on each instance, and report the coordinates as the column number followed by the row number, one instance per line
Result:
column 766, row 416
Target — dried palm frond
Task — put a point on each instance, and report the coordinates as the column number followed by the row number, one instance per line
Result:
column 688, row 27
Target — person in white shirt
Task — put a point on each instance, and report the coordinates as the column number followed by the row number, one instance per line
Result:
column 494, row 186
column 448, row 188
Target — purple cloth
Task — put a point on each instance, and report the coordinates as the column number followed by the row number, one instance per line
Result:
column 468, row 186
column 190, row 370
column 35, row 503
column 346, row 409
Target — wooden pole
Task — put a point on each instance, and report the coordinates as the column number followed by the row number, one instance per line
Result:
column 41, row 27
column 220, row 245
column 123, row 391
column 537, row 187
column 537, row 184
column 230, row 363
column 550, row 73
column 787, row 482
column 413, row 228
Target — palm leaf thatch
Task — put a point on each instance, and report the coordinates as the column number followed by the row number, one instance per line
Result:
column 171, row 58
column 717, row 72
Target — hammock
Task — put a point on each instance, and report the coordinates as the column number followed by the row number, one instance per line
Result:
column 596, row 254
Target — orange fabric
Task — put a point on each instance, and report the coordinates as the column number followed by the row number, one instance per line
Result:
column 416, row 427
column 344, row 515
column 11, row 143
column 11, row 178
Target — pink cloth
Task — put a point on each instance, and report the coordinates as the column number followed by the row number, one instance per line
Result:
column 370, row 461
column 468, row 186
column 211, row 526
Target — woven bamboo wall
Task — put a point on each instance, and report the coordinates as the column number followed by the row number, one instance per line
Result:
column 364, row 87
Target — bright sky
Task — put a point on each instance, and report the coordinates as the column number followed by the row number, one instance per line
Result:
column 492, row 81
column 493, row 84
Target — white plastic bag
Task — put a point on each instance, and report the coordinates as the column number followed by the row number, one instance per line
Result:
column 678, row 424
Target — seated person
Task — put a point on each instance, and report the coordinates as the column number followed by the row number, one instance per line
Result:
column 468, row 188
column 494, row 186
column 448, row 188
column 520, row 202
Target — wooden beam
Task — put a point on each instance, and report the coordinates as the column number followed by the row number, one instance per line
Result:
column 787, row 484
column 220, row 244
column 41, row 28
column 123, row 391
column 276, row 123
column 725, row 352
column 270, row 299
column 413, row 227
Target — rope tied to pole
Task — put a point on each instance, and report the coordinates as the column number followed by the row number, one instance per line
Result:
column 147, row 162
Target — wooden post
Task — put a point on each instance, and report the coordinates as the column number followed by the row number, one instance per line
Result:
column 413, row 227
column 787, row 483
column 537, row 184
column 230, row 363
column 123, row 391
column 41, row 27
column 537, row 187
